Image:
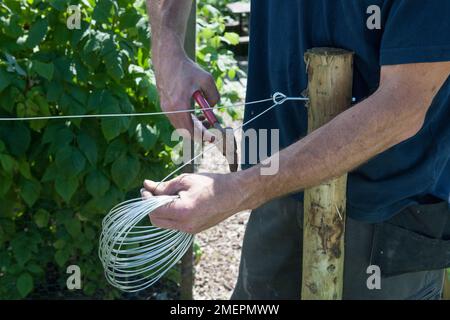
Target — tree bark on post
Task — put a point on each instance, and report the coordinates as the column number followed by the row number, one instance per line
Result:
column 446, row 294
column 330, row 76
column 187, row 262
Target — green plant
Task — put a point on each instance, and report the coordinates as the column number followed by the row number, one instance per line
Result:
column 58, row 178
column 214, row 55
column 221, row 5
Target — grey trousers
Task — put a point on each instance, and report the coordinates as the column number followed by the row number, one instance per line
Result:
column 271, row 260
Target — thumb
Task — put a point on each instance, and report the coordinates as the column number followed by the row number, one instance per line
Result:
column 163, row 188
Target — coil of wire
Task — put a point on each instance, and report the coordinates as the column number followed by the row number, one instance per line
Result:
column 134, row 254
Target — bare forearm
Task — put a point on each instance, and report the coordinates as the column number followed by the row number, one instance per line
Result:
column 168, row 21
column 351, row 139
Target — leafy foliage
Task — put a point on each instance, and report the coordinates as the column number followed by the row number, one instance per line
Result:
column 58, row 178
column 214, row 53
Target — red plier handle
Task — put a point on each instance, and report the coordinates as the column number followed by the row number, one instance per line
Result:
column 230, row 154
column 206, row 108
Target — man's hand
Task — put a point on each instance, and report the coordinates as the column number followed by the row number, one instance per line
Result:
column 177, row 76
column 205, row 200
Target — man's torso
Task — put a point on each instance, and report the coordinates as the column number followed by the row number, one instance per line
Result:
column 282, row 31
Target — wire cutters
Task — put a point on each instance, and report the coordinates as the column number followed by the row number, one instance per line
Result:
column 227, row 145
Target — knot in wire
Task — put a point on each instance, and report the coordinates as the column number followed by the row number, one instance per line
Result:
column 279, row 98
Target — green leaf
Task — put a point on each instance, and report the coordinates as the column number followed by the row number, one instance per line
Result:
column 88, row 147
column 5, row 79
column 66, row 187
column 115, row 150
column 17, row 138
column 146, row 136
column 35, row 268
column 13, row 66
column 24, row 284
column 73, row 227
column 231, row 38
column 70, row 161
column 43, row 69
column 232, row 73
column 78, row 93
column 59, row 244
column 94, row 100
column 12, row 26
column 108, row 44
column 24, row 169
column 21, row 248
column 86, row 246
column 63, row 68
column 61, row 257
column 60, row 5
column 89, row 289
column 90, row 233
column 114, row 66
column 102, row 11
column 50, row 174
column 54, row 91
column 97, row 184
column 58, row 136
column 8, row 163
column 8, row 99
column 30, row 191
column 111, row 128
column 37, row 33
column 41, row 218
column 129, row 19
column 5, row 183
column 124, row 171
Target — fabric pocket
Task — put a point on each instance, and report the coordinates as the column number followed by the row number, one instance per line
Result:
column 412, row 241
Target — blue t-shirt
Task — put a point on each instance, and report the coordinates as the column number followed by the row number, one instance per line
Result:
column 412, row 31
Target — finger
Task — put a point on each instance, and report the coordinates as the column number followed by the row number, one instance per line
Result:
column 210, row 91
column 204, row 121
column 206, row 124
column 171, row 187
column 182, row 122
column 174, row 211
column 162, row 223
column 200, row 130
column 145, row 194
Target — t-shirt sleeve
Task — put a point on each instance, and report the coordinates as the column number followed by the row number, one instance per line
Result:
column 416, row 31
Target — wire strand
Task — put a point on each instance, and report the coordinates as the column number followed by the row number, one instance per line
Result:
column 278, row 99
column 114, row 115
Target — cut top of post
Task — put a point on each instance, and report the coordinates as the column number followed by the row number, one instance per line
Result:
column 328, row 51
column 330, row 78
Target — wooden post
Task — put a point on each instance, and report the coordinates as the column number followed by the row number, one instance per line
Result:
column 446, row 295
column 187, row 262
column 330, row 74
